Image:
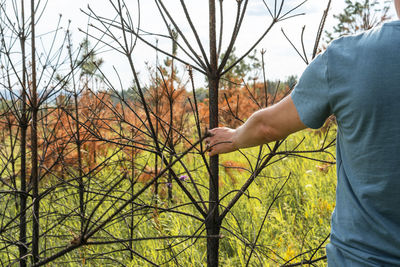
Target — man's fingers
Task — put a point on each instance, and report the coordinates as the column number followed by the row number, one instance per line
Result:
column 210, row 133
column 211, row 151
column 207, row 146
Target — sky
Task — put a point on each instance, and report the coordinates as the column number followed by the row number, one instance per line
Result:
column 280, row 58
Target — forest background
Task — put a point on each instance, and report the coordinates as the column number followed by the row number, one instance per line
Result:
column 100, row 174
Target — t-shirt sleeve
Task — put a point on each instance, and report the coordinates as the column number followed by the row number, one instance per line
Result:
column 310, row 96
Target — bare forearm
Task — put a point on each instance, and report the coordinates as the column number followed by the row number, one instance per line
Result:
column 254, row 131
column 266, row 125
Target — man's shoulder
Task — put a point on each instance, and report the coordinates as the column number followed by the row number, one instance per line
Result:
column 349, row 41
column 372, row 36
column 371, row 46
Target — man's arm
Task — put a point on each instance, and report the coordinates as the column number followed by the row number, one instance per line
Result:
column 263, row 126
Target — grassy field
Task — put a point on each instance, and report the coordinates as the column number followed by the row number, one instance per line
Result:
column 293, row 224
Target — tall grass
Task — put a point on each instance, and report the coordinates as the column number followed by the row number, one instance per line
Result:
column 297, row 222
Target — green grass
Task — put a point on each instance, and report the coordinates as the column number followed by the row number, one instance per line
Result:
column 297, row 222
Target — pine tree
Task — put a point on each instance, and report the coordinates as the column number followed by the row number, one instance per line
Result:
column 359, row 16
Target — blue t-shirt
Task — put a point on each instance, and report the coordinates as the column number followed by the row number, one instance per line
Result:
column 358, row 80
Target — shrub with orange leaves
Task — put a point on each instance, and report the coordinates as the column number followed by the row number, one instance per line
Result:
column 59, row 136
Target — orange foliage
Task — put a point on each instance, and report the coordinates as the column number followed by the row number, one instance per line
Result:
column 238, row 104
column 59, row 137
column 167, row 98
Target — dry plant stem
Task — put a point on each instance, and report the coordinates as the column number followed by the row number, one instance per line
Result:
column 204, row 65
column 252, row 97
column 238, row 23
column 302, row 56
column 319, row 247
column 321, row 29
column 34, row 146
column 23, row 250
column 302, row 43
column 195, row 33
column 302, row 263
column 143, row 239
column 213, row 224
column 194, row 186
column 167, row 25
column 233, row 114
column 264, row 78
column 221, row 26
column 78, row 140
column 169, row 135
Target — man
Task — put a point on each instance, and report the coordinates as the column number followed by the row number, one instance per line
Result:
column 358, row 80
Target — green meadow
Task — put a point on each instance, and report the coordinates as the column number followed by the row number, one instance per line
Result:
column 285, row 212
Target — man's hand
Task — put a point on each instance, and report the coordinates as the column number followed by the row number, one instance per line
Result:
column 221, row 141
